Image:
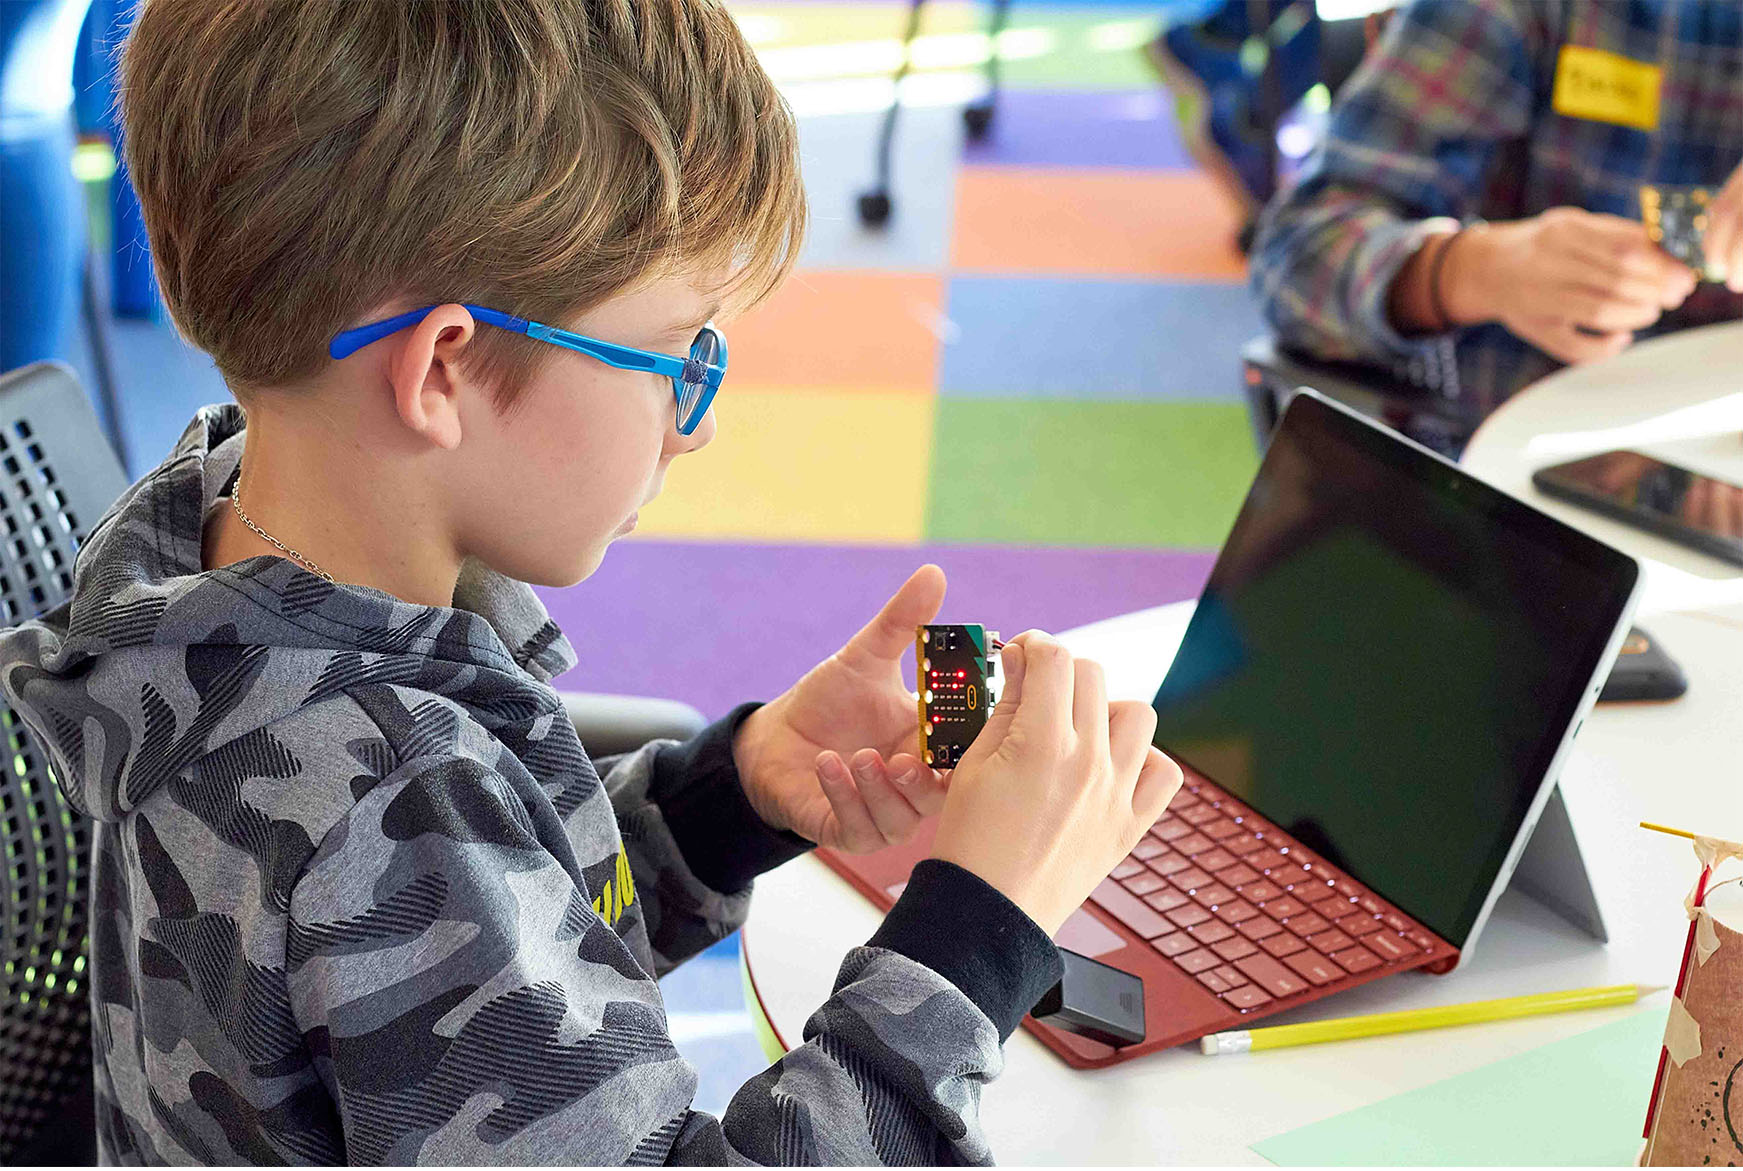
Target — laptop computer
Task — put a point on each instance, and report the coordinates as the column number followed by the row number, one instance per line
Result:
column 1377, row 689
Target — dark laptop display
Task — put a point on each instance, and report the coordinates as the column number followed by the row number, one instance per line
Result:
column 1377, row 658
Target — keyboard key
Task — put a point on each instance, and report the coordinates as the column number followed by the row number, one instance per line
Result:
column 1395, row 921
column 1170, row 829
column 1315, row 967
column 1127, row 868
column 1330, row 942
column 1194, row 844
column 1200, row 814
column 1214, row 982
column 1260, row 928
column 1211, row 932
column 1233, row 948
column 1282, row 944
column 1239, row 874
column 1196, row 961
column 1215, row 895
column 1251, row 996
column 1370, row 904
column 1185, row 799
column 1167, row 899
column 1173, row 945
column 1221, row 828
column 1188, row 916
column 1147, row 848
column 1348, row 889
column 1144, row 883
column 1284, row 907
column 1422, row 939
column 1262, row 891
column 1215, row 860
column 1316, row 891
column 1169, row 863
column 1191, row 878
column 1236, row 911
column 1356, row 959
column 1270, row 975
column 1358, row 925
column 1288, row 875
column 1128, row 909
column 1305, row 925
column 1243, row 846
column 1230, row 974
column 1389, row 947
column 1266, row 858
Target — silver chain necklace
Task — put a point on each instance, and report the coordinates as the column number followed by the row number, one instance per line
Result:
column 236, row 503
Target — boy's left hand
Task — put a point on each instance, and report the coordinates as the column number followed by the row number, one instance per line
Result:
column 833, row 758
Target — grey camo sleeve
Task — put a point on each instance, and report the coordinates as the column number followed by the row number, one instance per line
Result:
column 465, row 1003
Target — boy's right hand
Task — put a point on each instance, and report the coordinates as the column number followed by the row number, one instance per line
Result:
column 1057, row 788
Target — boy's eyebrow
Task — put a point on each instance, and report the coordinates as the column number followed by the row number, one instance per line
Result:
column 698, row 322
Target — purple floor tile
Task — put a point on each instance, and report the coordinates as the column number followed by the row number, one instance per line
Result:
column 1058, row 128
column 717, row 624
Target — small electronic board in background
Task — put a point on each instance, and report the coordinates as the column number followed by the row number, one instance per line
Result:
column 1676, row 220
column 955, row 666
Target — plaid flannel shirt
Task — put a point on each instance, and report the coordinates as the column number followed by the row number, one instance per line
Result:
column 1450, row 121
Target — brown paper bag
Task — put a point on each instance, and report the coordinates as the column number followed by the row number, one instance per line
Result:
column 1699, row 1120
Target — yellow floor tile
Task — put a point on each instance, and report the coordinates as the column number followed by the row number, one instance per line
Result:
column 837, row 466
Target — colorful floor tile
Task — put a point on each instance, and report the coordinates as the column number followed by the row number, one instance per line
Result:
column 804, row 465
column 1134, row 474
column 841, row 329
column 716, row 624
column 1094, row 222
column 1062, row 128
column 1055, row 338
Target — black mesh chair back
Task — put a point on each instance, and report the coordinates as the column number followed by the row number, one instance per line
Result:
column 57, row 476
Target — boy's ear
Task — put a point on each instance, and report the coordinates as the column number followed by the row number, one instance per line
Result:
column 426, row 374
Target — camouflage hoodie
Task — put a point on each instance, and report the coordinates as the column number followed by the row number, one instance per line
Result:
column 359, row 895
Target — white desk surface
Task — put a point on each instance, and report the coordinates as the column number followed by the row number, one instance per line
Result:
column 1678, row 397
column 1676, row 763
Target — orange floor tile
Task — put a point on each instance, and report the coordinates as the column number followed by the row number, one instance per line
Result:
column 1094, row 222
column 842, row 329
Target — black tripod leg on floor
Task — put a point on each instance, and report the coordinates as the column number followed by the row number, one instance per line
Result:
column 875, row 205
column 977, row 116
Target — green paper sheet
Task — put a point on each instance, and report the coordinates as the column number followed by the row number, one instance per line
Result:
column 1580, row 1102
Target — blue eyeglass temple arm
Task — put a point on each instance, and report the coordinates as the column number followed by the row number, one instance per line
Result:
column 350, row 341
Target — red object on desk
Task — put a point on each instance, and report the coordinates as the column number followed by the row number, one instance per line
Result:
column 1682, row 982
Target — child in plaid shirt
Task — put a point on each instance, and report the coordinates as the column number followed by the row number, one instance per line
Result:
column 1472, row 220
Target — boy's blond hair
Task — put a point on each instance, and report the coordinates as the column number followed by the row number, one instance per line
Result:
column 299, row 161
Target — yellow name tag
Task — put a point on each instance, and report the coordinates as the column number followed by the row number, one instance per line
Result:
column 1603, row 87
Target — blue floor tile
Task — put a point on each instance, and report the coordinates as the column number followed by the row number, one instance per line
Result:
column 1010, row 337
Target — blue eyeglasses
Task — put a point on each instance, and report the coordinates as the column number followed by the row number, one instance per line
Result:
column 695, row 378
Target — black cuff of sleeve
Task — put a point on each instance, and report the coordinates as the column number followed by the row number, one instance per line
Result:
column 723, row 841
column 960, row 927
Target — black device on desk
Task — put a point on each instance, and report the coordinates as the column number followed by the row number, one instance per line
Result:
column 1698, row 511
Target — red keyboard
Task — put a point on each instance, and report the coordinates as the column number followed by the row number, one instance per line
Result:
column 1248, row 911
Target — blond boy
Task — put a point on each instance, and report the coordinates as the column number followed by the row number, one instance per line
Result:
column 360, row 895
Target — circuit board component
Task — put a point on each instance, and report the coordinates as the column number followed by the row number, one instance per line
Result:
column 1676, row 220
column 955, row 666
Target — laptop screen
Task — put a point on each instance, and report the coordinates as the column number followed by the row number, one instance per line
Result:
column 1386, row 658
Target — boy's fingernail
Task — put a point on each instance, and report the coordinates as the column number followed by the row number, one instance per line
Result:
column 831, row 768
column 866, row 771
column 905, row 777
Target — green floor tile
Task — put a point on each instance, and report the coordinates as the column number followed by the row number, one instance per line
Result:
column 1131, row 474
column 1087, row 48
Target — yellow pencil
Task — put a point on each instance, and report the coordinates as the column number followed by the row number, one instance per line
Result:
column 1345, row 1028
